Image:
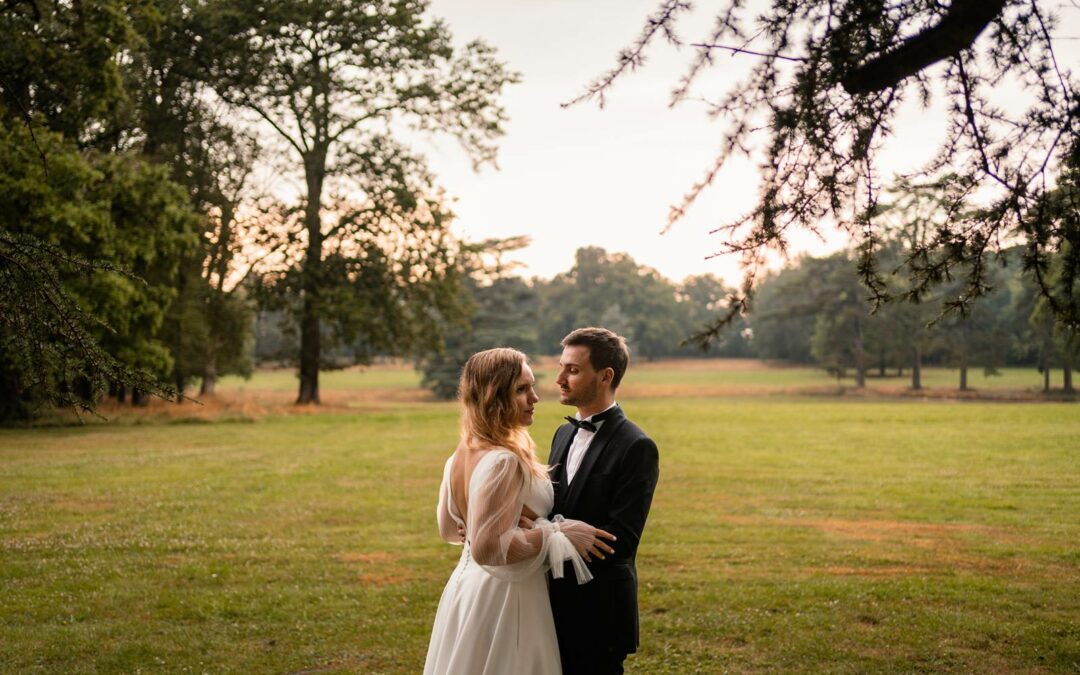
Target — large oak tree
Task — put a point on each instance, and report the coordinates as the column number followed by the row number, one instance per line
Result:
column 339, row 82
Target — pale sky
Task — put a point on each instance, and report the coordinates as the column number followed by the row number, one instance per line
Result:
column 584, row 176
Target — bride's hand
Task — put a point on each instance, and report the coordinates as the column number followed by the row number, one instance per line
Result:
column 588, row 540
column 598, row 546
column 528, row 516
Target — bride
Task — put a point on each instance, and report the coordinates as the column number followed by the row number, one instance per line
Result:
column 494, row 616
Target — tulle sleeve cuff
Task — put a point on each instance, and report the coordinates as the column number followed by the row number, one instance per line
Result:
column 559, row 550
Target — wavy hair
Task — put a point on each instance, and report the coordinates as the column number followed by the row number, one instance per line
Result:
column 488, row 415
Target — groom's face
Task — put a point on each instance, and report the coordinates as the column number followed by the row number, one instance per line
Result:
column 579, row 383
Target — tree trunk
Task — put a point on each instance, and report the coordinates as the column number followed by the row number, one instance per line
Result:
column 139, row 398
column 963, row 370
column 916, row 369
column 121, row 393
column 1068, row 351
column 860, row 358
column 310, row 349
column 84, row 389
column 1047, row 327
column 965, row 340
column 209, row 380
column 881, row 365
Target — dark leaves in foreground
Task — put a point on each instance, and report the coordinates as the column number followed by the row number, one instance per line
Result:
column 824, row 91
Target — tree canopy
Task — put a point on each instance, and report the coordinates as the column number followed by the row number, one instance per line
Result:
column 91, row 231
column 133, row 227
column 336, row 81
column 824, row 91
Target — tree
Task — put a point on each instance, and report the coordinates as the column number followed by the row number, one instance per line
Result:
column 74, row 325
column 702, row 297
column 828, row 80
column 335, row 80
column 183, row 125
column 909, row 222
column 1056, row 217
column 886, row 340
column 88, row 235
column 981, row 337
column 611, row 287
column 782, row 319
column 503, row 314
column 59, row 69
column 1056, row 346
column 839, row 339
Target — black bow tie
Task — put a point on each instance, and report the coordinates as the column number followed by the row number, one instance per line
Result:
column 590, row 424
column 581, row 424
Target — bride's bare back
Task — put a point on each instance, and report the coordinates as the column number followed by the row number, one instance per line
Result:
column 461, row 470
column 462, row 466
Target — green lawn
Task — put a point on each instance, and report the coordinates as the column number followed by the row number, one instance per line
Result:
column 657, row 378
column 788, row 534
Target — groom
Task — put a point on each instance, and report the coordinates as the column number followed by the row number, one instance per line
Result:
column 605, row 470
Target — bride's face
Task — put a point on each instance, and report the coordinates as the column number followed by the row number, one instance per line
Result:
column 524, row 396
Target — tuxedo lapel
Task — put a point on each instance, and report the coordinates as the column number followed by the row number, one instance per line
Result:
column 596, row 448
column 560, row 447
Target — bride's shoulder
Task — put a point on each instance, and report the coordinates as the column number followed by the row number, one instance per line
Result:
column 495, row 464
column 499, row 460
column 497, row 454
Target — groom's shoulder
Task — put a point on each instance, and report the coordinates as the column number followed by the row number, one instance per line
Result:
column 636, row 443
column 631, row 432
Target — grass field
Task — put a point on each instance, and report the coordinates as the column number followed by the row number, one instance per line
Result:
column 717, row 377
column 789, row 533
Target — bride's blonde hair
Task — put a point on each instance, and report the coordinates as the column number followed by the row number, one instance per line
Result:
column 488, row 415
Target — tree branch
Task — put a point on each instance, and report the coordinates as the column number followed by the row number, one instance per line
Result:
column 284, row 134
column 740, row 50
column 632, row 58
column 962, row 23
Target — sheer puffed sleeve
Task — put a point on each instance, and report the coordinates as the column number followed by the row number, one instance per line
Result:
column 496, row 496
column 448, row 520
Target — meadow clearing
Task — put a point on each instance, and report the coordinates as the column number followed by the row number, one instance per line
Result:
column 875, row 532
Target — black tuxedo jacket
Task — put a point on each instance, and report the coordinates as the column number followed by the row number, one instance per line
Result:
column 612, row 490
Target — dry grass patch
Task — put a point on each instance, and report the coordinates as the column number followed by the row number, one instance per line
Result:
column 375, row 557
column 378, row 569
column 91, row 505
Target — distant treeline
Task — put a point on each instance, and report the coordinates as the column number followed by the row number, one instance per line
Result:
column 814, row 311
column 608, row 289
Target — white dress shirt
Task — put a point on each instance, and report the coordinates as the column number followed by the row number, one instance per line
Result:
column 580, row 445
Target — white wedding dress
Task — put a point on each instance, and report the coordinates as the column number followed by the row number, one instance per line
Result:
column 494, row 616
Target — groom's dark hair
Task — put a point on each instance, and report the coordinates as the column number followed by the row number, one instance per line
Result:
column 606, row 350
